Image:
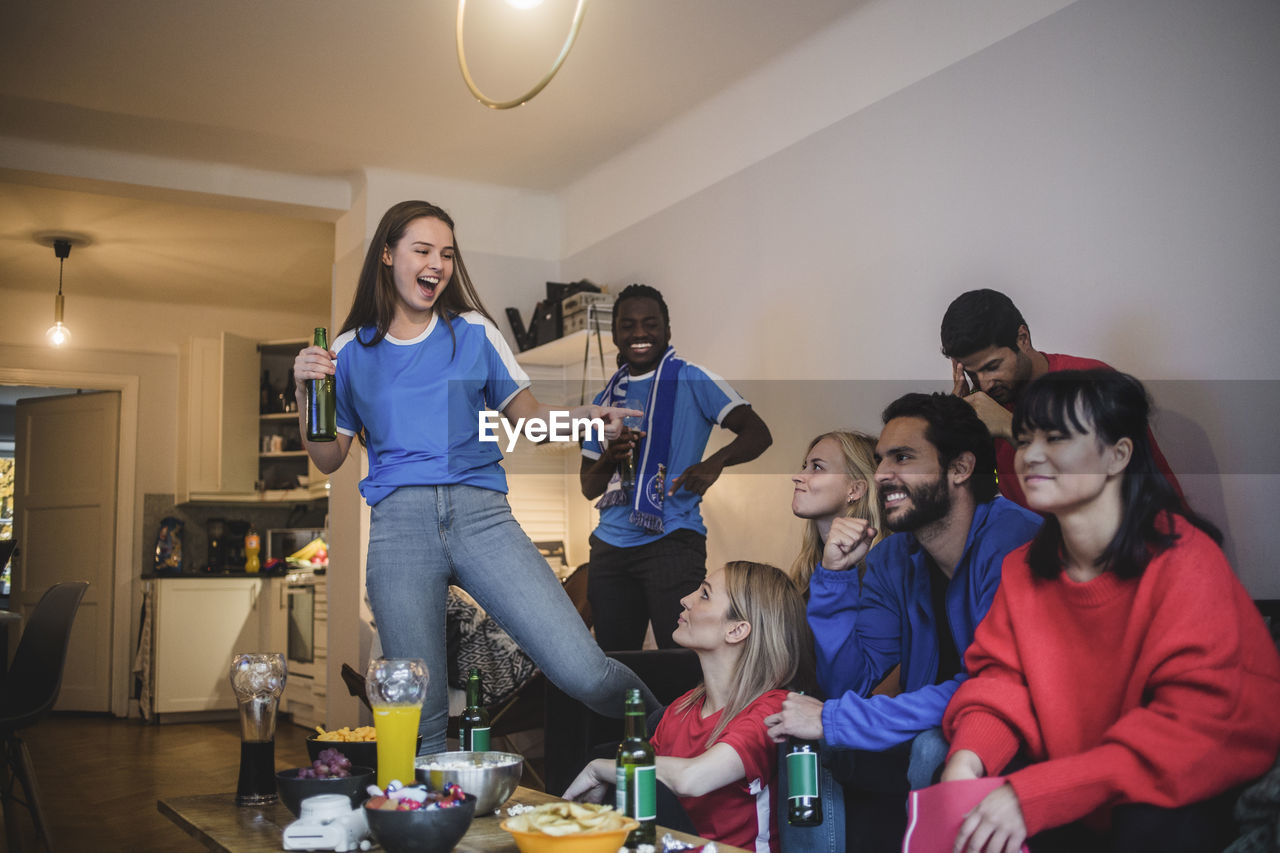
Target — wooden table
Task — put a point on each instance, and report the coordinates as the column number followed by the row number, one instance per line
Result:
column 216, row 821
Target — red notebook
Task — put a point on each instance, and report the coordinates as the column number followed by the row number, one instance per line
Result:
column 934, row 814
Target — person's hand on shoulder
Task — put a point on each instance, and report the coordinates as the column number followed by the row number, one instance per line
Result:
column 998, row 419
column 847, row 543
column 801, row 717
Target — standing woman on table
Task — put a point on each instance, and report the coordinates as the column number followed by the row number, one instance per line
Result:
column 1121, row 657
column 746, row 623
column 416, row 361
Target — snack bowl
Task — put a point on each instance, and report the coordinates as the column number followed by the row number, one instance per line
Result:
column 294, row 790
column 363, row 753
column 491, row 776
column 421, row 830
column 600, row 841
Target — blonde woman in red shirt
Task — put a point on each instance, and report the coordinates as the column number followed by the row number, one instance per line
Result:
column 1122, row 663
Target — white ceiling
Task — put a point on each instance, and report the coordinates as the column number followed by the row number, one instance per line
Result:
column 325, row 88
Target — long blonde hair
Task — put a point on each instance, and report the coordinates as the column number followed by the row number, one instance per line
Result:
column 859, row 452
column 778, row 652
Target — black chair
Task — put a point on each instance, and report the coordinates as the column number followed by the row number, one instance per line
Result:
column 30, row 690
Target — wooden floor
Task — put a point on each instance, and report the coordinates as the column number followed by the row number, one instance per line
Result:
column 100, row 777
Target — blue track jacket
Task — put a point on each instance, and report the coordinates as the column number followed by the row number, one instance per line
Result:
column 862, row 631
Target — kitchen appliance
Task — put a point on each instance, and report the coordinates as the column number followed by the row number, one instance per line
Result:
column 216, row 529
column 234, row 547
column 306, row 647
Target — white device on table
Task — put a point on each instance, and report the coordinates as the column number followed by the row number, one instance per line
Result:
column 328, row 822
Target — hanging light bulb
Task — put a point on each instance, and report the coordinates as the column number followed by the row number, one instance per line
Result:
column 58, row 333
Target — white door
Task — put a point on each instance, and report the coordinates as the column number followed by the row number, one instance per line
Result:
column 65, row 522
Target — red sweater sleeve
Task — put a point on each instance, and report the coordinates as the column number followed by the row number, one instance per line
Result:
column 988, row 716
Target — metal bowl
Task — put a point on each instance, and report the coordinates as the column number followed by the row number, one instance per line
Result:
column 491, row 776
column 421, row 830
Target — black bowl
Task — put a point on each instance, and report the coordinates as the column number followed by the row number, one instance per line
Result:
column 363, row 753
column 421, row 830
column 294, row 790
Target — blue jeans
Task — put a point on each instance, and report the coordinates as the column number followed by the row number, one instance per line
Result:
column 423, row 538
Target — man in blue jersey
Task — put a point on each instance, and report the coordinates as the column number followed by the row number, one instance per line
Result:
column 650, row 549
column 924, row 591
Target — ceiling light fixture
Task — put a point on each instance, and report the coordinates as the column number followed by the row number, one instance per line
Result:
column 58, row 333
column 541, row 84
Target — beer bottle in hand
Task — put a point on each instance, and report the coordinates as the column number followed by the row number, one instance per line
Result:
column 473, row 728
column 636, row 775
column 804, row 801
column 322, row 406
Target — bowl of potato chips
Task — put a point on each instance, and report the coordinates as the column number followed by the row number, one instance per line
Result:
column 569, row 828
column 360, row 745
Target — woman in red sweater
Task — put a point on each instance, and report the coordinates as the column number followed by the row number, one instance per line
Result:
column 1121, row 661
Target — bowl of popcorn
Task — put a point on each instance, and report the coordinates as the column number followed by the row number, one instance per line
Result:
column 330, row 772
column 491, row 776
column 360, row 745
column 414, row 820
column 569, row 828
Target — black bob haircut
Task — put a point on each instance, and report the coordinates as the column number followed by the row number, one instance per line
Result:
column 1113, row 406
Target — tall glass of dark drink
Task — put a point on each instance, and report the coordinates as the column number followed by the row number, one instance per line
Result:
column 258, row 680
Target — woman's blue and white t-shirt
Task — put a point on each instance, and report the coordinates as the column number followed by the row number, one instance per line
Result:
column 419, row 403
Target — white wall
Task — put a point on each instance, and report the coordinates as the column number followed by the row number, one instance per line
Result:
column 1112, row 167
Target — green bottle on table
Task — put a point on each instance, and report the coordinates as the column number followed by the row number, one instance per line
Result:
column 322, row 404
column 473, row 729
column 636, row 774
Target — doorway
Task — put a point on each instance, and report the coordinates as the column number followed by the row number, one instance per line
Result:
column 118, row 602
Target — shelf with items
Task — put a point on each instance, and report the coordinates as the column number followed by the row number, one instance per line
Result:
column 238, row 440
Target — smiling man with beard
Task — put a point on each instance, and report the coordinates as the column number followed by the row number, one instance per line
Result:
column 650, row 548
column 924, row 592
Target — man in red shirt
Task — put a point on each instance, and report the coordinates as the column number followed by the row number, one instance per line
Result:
column 992, row 361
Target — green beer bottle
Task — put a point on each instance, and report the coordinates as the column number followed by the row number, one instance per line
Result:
column 804, row 800
column 321, row 403
column 636, row 775
column 473, row 729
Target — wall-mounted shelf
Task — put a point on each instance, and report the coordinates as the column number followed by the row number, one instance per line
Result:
column 568, row 350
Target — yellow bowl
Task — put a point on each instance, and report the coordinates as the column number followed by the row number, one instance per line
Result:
column 604, row 841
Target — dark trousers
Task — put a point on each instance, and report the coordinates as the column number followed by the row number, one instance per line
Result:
column 1203, row 827
column 875, row 796
column 628, row 587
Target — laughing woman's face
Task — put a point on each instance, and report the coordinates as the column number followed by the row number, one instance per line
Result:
column 421, row 265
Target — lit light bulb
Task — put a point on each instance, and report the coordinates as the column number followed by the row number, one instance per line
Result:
column 58, row 333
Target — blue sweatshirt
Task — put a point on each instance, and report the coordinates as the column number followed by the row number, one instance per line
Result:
column 862, row 631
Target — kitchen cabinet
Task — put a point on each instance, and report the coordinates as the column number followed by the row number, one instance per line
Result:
column 199, row 623
column 222, row 456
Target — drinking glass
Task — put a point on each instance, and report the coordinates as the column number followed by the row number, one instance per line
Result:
column 397, row 687
column 627, row 467
column 258, row 680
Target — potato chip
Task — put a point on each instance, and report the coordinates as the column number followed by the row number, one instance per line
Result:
column 568, row 818
column 347, row 735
